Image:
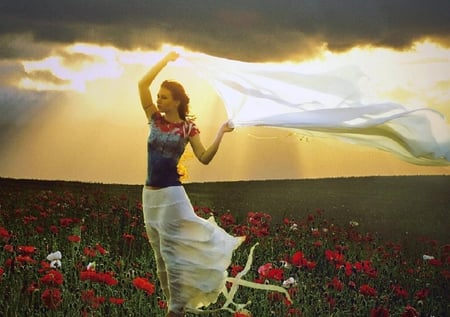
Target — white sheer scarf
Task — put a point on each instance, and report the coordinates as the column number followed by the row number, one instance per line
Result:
column 326, row 105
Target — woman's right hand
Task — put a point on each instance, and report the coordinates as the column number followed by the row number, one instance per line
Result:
column 172, row 56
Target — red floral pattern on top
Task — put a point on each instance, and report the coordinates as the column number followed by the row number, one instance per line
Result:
column 166, row 143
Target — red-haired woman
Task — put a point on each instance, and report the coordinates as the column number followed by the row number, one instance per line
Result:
column 192, row 254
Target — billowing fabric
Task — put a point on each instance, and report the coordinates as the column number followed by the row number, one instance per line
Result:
column 192, row 253
column 166, row 144
column 327, row 105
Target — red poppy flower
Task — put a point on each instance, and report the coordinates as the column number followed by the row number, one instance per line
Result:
column 258, row 218
column 235, row 269
column 349, row 268
column 1, row 273
column 128, row 237
column 4, row 234
column 54, row 229
column 351, row 284
column 445, row 248
column 90, row 252
column 9, row 263
column 341, row 247
column 26, row 249
column 422, row 294
column 52, row 278
column 65, row 222
column 162, row 304
column 410, row 312
column 33, row 287
column 51, row 298
column 435, row 262
column 294, row 312
column 97, row 301
column 74, row 239
column 106, row 278
column 264, row 269
column 400, row 291
column 311, row 265
column 275, row 274
column 336, row 284
column 144, row 284
column 317, row 243
column 358, row 266
column 28, row 219
column 45, row 266
column 379, row 312
column 331, row 301
column 89, row 297
column 227, row 220
column 100, row 249
column 242, row 313
column 8, row 248
column 315, row 233
column 116, row 301
column 275, row 297
column 369, row 269
column 298, row 259
column 25, row 259
column 367, row 290
column 334, row 256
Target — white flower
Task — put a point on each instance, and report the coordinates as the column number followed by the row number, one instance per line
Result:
column 289, row 282
column 55, row 259
column 285, row 264
column 428, row 257
column 293, row 227
column 353, row 223
column 91, row 266
column 54, row 256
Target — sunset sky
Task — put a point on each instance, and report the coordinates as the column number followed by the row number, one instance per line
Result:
column 69, row 107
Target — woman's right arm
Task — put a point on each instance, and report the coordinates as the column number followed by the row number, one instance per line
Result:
column 144, row 84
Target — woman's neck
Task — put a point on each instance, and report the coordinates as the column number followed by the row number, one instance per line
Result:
column 172, row 117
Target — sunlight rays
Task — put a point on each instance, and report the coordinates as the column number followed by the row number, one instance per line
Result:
column 98, row 86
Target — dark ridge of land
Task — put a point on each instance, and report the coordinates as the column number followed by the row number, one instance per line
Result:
column 401, row 208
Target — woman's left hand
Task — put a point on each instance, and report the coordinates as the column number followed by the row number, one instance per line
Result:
column 227, row 126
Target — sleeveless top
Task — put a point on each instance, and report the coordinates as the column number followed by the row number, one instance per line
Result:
column 165, row 145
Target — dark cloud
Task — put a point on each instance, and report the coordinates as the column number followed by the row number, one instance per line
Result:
column 252, row 30
column 18, row 108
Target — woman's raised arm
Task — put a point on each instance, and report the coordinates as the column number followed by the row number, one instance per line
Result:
column 145, row 82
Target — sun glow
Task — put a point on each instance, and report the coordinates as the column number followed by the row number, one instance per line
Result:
column 72, row 68
column 104, row 118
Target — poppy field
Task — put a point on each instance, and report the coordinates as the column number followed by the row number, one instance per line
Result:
column 83, row 251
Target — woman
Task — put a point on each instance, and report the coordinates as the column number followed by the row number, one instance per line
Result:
column 192, row 254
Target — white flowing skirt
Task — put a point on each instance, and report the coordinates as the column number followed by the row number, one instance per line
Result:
column 192, row 253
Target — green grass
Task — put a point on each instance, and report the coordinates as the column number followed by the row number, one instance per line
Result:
column 399, row 209
column 396, row 208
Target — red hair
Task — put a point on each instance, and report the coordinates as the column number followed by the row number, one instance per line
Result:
column 179, row 94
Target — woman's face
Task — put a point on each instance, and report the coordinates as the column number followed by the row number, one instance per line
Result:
column 165, row 101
